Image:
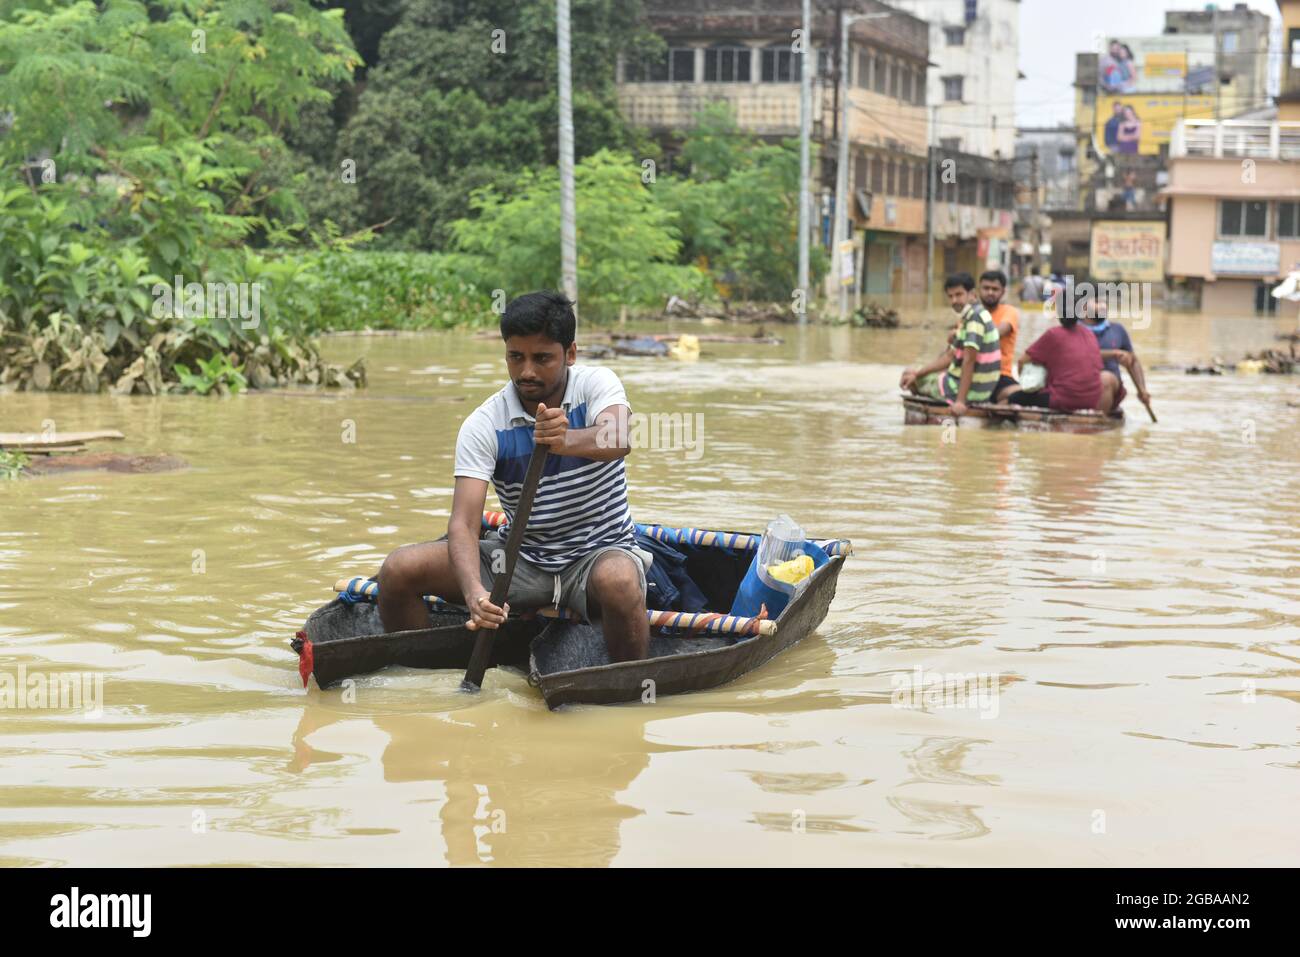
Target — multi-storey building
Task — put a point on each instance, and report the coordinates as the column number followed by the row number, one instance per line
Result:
column 741, row 54
column 975, row 45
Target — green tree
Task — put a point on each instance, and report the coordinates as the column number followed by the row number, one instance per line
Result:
column 738, row 206
column 462, row 96
column 628, row 243
column 137, row 139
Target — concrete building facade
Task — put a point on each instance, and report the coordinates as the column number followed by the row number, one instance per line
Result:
column 1234, row 195
column 1242, row 52
column 741, row 55
column 1288, row 97
column 975, row 46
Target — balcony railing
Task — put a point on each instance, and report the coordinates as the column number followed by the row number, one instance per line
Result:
column 1235, row 139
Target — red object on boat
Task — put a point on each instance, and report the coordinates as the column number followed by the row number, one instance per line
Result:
column 305, row 658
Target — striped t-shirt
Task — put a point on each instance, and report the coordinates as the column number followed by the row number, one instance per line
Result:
column 975, row 329
column 581, row 504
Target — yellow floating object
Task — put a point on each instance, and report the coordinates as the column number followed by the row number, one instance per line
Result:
column 686, row 348
column 1250, row 365
column 793, row 571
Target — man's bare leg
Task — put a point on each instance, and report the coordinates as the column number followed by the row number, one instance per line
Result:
column 1109, row 389
column 614, row 595
column 407, row 575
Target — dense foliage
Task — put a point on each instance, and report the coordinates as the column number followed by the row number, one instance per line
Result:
column 189, row 186
column 136, row 138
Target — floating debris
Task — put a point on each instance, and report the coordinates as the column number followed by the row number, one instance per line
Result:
column 104, row 462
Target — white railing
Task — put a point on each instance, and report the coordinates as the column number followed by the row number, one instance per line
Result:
column 1258, row 139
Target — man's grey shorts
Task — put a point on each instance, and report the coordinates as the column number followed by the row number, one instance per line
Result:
column 533, row 587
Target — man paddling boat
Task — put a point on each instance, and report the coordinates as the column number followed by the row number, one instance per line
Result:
column 578, row 551
column 1116, row 350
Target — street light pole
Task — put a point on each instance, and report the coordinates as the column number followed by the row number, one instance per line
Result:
column 568, row 204
column 931, row 157
column 842, row 160
column 805, row 133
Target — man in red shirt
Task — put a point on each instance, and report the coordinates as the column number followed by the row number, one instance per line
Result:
column 1075, row 376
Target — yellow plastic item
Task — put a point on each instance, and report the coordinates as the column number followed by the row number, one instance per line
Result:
column 687, row 348
column 1250, row 366
column 793, row 571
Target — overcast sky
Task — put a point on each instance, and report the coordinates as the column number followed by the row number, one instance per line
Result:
column 1053, row 31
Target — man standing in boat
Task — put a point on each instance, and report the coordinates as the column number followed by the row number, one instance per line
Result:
column 578, row 551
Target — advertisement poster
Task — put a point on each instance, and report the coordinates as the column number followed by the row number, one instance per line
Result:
column 1182, row 63
column 1142, row 123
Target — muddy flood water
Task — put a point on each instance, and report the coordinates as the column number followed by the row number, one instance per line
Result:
column 1132, row 600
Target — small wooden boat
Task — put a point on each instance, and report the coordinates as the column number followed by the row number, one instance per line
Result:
column 920, row 410
column 567, row 660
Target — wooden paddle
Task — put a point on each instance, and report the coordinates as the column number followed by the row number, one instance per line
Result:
column 478, row 659
column 1149, row 412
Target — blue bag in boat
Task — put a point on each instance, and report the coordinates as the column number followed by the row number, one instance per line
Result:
column 759, row 589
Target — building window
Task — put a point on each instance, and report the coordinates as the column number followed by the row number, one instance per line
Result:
column 966, row 194
column 890, row 183
column 906, row 95
column 952, row 89
column 878, row 81
column 972, row 10
column 683, row 62
column 951, row 143
column 1294, row 44
column 918, row 181
column 954, row 36
column 878, row 175
column 919, row 99
column 726, row 64
column 1228, row 41
column 1241, row 218
column 1288, row 220
column 1089, row 95
column 824, row 64
column 676, row 65
column 860, row 171
column 780, row 65
column 863, row 79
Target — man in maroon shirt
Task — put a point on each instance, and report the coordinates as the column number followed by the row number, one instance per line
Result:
column 1075, row 377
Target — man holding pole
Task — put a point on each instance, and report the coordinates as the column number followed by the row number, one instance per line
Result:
column 578, row 551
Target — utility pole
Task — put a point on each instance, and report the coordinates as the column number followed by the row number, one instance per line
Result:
column 842, row 162
column 841, row 170
column 1033, row 207
column 836, row 73
column 931, row 160
column 805, row 133
column 1214, row 27
column 568, row 203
